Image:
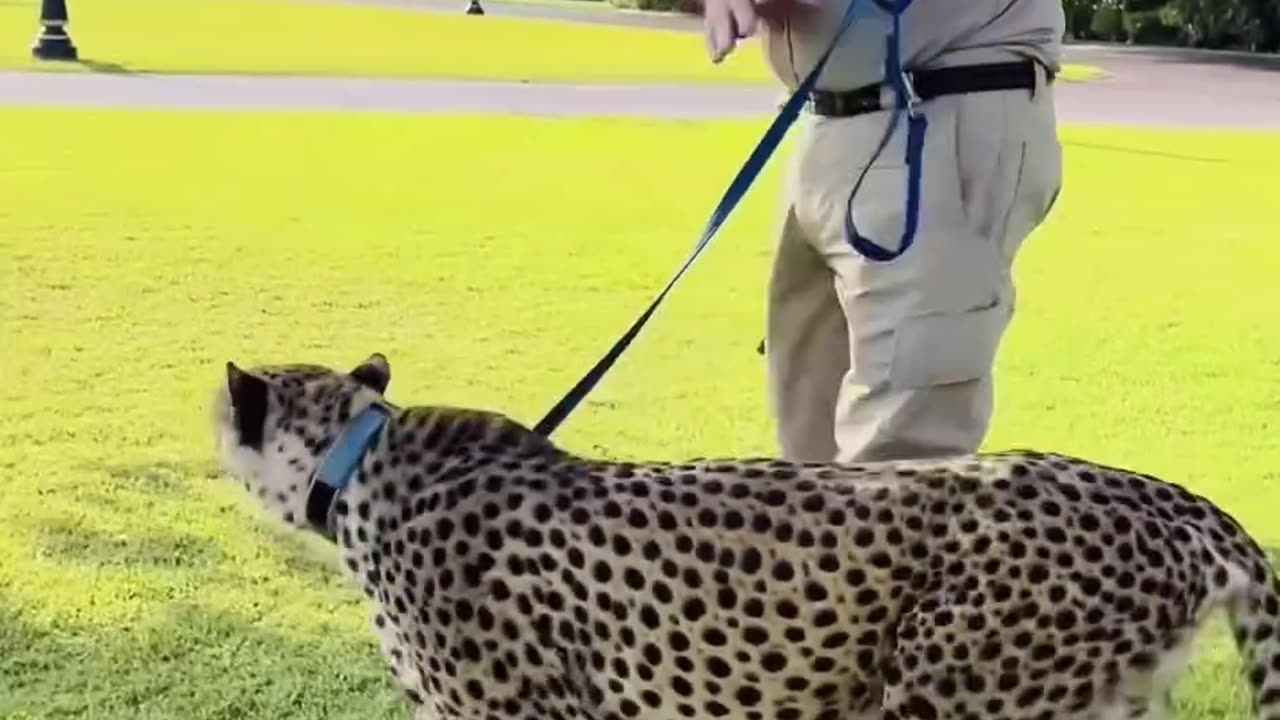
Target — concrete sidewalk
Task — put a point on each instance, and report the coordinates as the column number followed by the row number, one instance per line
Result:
column 381, row 95
column 1154, row 96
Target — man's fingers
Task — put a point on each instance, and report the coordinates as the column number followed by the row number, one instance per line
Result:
column 744, row 15
column 719, row 29
column 726, row 22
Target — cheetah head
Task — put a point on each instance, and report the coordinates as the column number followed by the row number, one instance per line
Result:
column 275, row 422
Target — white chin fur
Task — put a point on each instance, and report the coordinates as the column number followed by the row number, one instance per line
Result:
column 239, row 460
column 243, row 463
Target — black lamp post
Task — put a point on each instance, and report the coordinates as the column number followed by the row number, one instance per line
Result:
column 53, row 42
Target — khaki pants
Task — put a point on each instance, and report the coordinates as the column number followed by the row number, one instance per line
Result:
column 893, row 360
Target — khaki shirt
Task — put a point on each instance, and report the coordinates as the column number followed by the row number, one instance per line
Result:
column 934, row 33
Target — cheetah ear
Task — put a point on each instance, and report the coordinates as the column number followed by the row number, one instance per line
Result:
column 374, row 372
column 246, row 389
column 249, row 400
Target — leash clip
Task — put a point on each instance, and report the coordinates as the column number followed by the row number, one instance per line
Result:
column 911, row 99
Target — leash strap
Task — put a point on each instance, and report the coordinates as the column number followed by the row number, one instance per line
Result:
column 737, row 189
column 917, row 124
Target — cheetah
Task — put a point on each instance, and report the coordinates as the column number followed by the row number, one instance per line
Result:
column 510, row 578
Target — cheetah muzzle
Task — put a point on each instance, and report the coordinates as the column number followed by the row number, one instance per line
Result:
column 513, row 579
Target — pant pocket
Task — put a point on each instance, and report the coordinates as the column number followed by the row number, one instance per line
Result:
column 945, row 348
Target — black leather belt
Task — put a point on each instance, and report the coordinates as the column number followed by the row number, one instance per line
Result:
column 928, row 84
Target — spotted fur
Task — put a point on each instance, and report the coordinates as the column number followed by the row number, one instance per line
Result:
column 514, row 579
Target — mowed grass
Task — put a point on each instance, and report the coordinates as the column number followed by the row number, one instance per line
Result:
column 492, row 260
column 285, row 37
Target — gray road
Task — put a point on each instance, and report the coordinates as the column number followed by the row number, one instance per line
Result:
column 335, row 94
column 1173, row 87
column 1149, row 87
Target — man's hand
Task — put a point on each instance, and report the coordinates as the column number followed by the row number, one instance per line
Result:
column 726, row 22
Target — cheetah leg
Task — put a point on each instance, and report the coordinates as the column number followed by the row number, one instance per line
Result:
column 951, row 661
column 923, row 679
column 425, row 712
column 1151, row 693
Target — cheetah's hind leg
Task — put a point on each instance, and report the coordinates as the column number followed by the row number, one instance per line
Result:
column 1006, row 661
column 1150, row 693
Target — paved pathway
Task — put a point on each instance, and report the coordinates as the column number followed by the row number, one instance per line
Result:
column 1150, row 87
column 1147, row 92
column 1174, row 87
column 259, row 93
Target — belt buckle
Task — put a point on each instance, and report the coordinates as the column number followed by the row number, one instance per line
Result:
column 815, row 103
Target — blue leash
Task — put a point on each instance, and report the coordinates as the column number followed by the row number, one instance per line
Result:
column 751, row 169
column 906, row 98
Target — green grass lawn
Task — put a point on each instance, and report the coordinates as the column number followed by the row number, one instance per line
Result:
column 282, row 37
column 492, row 260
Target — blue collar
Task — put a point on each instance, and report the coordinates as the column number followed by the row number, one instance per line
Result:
column 341, row 463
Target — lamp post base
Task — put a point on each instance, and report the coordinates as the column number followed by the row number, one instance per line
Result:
column 54, row 43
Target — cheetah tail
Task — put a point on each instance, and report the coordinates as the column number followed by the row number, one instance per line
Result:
column 1254, row 613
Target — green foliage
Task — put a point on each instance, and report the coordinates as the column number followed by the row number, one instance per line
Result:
column 1242, row 24
column 1079, row 17
column 1152, row 27
column 1252, row 25
column 1108, row 22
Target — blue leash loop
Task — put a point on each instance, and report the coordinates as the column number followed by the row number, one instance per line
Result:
column 917, row 124
column 751, row 169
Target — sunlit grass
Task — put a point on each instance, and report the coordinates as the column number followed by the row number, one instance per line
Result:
column 492, row 260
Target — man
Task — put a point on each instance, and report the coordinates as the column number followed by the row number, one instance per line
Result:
column 879, row 359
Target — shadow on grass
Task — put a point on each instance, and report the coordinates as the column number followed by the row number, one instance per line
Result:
column 1168, row 155
column 71, row 544
column 167, row 478
column 107, row 68
column 186, row 662
column 591, row 13
column 302, row 553
column 297, row 551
